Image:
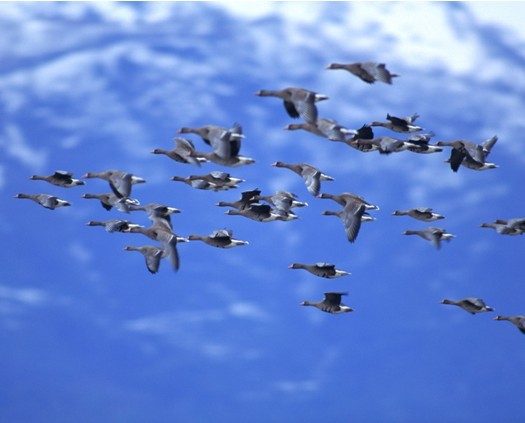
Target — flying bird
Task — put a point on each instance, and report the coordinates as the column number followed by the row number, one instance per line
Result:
column 45, row 200
column 330, row 304
column 369, row 72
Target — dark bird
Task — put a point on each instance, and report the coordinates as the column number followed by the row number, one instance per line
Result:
column 113, row 225
column 222, row 238
column 470, row 304
column 184, row 152
column 323, row 270
column 262, row 213
column 247, row 198
column 347, row 197
column 298, row 102
column 419, row 143
column 385, row 145
column 110, row 200
column 311, row 175
column 425, row 214
column 158, row 214
column 330, row 304
column 198, row 183
column 518, row 321
column 120, row 182
column 469, row 154
column 432, row 234
column 60, row 178
column 282, row 200
column 400, row 124
column 367, row 71
column 331, row 130
column 45, row 200
column 152, row 254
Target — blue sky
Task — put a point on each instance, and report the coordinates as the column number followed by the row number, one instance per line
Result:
column 87, row 333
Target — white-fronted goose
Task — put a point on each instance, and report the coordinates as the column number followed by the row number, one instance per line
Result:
column 152, row 254
column 110, row 200
column 218, row 178
column 419, row 143
column 425, row 214
column 347, row 197
column 470, row 304
column 432, row 234
column 312, row 176
column 400, row 124
column 518, row 321
column 222, row 238
column 368, row 72
column 282, row 200
column 330, row 304
column 184, row 152
column 45, row 200
column 158, row 214
column 517, row 223
column 298, row 102
column 163, row 235
column 201, row 184
column 503, row 228
column 323, row 270
column 352, row 216
column 247, row 198
column 385, row 145
column 469, row 154
column 119, row 181
column 212, row 134
column 263, row 213
column 60, row 178
column 113, row 225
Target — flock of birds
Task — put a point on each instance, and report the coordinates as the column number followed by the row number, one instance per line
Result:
column 225, row 144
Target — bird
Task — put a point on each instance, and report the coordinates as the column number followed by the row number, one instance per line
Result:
column 352, row 216
column 330, row 129
column 419, row 143
column 330, row 304
column 163, row 235
column 113, row 225
column 298, row 102
column 470, row 304
column 311, row 175
column 262, row 213
column 323, row 270
column 222, row 238
column 157, row 213
column 152, row 254
column 60, row 178
column 469, row 154
column 219, row 178
column 399, row 124
column 517, row 223
column 119, row 181
column 425, row 214
column 282, row 200
column 385, row 145
column 518, row 321
column 247, row 198
column 432, row 234
column 201, row 183
column 347, row 197
column 502, row 228
column 110, row 200
column 184, row 152
column 211, row 134
column 368, row 71
column 45, row 200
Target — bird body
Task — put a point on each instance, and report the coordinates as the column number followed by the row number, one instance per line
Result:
column 518, row 321
column 113, row 225
column 323, row 270
column 119, row 181
column 184, row 152
column 469, row 154
column 45, row 200
column 311, row 175
column 152, row 254
column 222, row 238
column 470, row 304
column 420, row 213
column 331, row 303
column 60, row 178
column 432, row 234
column 368, row 71
column 400, row 124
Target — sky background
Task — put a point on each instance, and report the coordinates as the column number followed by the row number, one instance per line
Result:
column 88, row 334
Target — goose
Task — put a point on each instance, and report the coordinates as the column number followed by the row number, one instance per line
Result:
column 312, row 176
column 330, row 304
column 119, row 181
column 298, row 102
column 262, row 213
column 400, row 124
column 113, row 225
column 110, row 200
column 518, row 321
column 419, row 143
column 470, row 304
column 469, row 154
column 323, row 270
column 157, row 213
column 352, row 216
column 218, row 178
column 420, row 213
column 45, row 200
column 432, row 234
column 517, row 223
column 152, row 254
column 166, row 237
column 247, row 198
column 201, row 184
column 502, row 228
column 368, row 72
column 347, row 197
column 59, row 178
column 212, row 134
column 183, row 152
column 222, row 238
column 282, row 200
column 385, row 145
